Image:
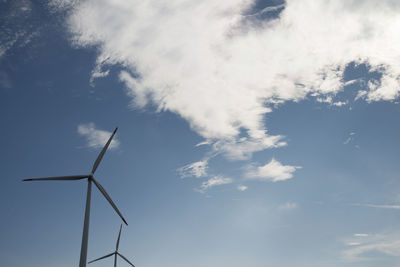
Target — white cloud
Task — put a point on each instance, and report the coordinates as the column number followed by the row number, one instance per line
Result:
column 340, row 103
column 215, row 181
column 329, row 100
column 360, row 246
column 273, row 171
column 242, row 188
column 197, row 169
column 202, row 61
column 222, row 69
column 96, row 138
column 288, row 206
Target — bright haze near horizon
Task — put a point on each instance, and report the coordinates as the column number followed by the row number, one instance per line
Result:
column 251, row 133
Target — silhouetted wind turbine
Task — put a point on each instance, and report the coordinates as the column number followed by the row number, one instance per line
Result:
column 90, row 178
column 115, row 253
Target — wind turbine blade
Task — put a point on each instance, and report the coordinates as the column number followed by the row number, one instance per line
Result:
column 119, row 236
column 100, row 156
column 125, row 259
column 109, row 199
column 58, row 178
column 106, row 256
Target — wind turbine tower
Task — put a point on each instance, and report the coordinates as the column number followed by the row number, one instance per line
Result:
column 90, row 178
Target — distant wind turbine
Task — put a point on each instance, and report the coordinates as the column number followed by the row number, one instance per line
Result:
column 90, row 178
column 115, row 253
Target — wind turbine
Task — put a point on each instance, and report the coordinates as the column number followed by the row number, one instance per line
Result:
column 90, row 179
column 115, row 253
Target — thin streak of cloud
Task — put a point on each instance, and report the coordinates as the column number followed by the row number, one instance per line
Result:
column 360, row 235
column 203, row 143
column 378, row 206
column 353, row 244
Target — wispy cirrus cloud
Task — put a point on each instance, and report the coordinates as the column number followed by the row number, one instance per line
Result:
column 196, row 169
column 96, row 138
column 16, row 29
column 359, row 246
column 379, row 206
column 214, row 181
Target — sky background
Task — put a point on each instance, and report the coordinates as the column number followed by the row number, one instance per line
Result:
column 251, row 133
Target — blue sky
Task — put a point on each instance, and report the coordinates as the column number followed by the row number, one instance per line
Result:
column 250, row 133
